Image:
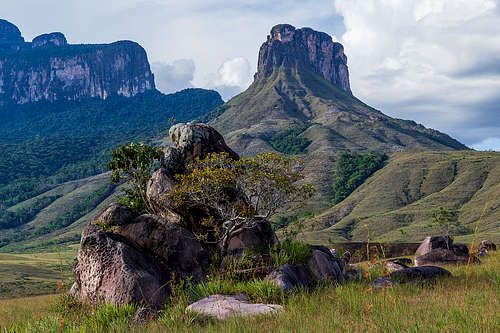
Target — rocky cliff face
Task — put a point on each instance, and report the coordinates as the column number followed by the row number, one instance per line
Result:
column 290, row 47
column 50, row 69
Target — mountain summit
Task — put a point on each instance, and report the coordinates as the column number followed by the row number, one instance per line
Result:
column 290, row 47
column 50, row 69
column 301, row 102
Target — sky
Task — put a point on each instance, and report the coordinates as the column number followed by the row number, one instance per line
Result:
column 433, row 61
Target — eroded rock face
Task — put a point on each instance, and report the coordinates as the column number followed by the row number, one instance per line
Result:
column 434, row 242
column 111, row 269
column 324, row 266
column 225, row 306
column 177, row 247
column 304, row 47
column 198, row 140
column 53, row 39
column 290, row 277
column 68, row 72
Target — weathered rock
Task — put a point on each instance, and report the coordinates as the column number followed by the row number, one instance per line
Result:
column 68, row 72
column 440, row 250
column 54, row 39
column 110, row 269
column 114, row 215
column 486, row 246
column 440, row 257
column 392, row 266
column 434, row 242
column 260, row 236
column 177, row 247
column 353, row 273
column 224, row 306
column 324, row 266
column 397, row 264
column 290, row 277
column 159, row 186
column 383, row 283
column 198, row 140
column 290, row 47
column 421, row 273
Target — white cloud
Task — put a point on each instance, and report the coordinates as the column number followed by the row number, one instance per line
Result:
column 175, row 76
column 232, row 77
column 488, row 144
column 434, row 61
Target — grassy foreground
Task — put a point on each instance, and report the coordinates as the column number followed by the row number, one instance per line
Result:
column 467, row 302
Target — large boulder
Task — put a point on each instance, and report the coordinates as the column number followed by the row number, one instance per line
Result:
column 290, row 277
column 158, row 187
column 419, row 274
column 440, row 250
column 177, row 247
column 112, row 215
column 198, row 140
column 440, row 257
column 111, row 269
column 259, row 236
column 487, row 245
column 324, row 266
column 434, row 242
column 225, row 306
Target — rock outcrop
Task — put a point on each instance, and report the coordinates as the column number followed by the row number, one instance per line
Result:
column 291, row 277
column 324, row 266
column 127, row 258
column 290, row 47
column 50, row 69
column 440, row 250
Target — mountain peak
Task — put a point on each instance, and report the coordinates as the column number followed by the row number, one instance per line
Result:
column 9, row 33
column 305, row 47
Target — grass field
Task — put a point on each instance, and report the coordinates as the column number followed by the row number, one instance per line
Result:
column 35, row 274
column 466, row 302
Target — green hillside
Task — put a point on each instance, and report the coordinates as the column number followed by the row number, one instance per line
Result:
column 396, row 202
column 50, row 154
column 329, row 119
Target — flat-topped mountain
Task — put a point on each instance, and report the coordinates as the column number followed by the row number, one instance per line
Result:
column 301, row 101
column 50, row 69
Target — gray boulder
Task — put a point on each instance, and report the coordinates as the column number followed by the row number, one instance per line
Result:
column 111, row 269
column 260, row 236
column 440, row 257
column 224, row 307
column 486, row 246
column 434, row 242
column 178, row 248
column 440, row 250
column 324, row 266
column 159, row 186
column 114, row 214
column 290, row 277
column 353, row 273
column 395, row 264
column 422, row 273
column 198, row 140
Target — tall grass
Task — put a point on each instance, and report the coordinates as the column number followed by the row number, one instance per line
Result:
column 466, row 302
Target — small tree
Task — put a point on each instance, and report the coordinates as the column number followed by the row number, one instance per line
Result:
column 268, row 182
column 134, row 163
column 445, row 221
